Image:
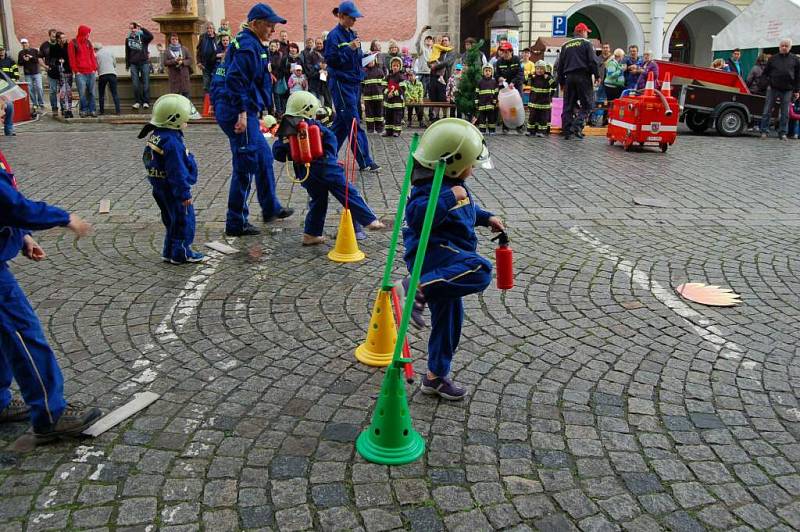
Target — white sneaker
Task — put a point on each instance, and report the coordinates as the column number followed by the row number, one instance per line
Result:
column 136, row 105
column 146, row 105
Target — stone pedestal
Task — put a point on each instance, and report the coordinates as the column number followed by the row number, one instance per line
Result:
column 184, row 21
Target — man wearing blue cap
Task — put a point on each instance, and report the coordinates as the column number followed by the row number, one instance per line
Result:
column 343, row 55
column 241, row 90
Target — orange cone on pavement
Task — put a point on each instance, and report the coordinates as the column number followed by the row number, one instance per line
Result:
column 346, row 248
column 666, row 85
column 649, row 89
column 208, row 109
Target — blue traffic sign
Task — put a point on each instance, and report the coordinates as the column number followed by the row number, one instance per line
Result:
column 559, row 26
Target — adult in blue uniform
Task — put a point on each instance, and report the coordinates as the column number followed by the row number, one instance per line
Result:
column 25, row 354
column 241, row 90
column 343, row 55
column 324, row 175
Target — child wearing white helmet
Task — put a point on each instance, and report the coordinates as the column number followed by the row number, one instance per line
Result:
column 452, row 267
column 324, row 176
column 172, row 171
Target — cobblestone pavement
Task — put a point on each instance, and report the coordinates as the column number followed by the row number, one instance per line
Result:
column 599, row 400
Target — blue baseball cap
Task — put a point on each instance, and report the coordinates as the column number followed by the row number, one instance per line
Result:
column 264, row 12
column 349, row 9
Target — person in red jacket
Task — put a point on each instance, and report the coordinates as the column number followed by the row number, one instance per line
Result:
column 84, row 66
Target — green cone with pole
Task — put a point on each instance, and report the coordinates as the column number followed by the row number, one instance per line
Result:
column 391, row 439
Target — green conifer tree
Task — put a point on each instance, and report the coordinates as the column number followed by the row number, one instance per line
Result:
column 465, row 98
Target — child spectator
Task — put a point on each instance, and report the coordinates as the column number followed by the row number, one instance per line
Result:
column 172, row 171
column 324, row 176
column 452, row 86
column 486, row 101
column 222, row 48
column 414, row 92
column 297, row 81
column 528, row 68
column 408, row 61
column 542, row 87
column 373, row 86
column 393, row 105
column 452, row 268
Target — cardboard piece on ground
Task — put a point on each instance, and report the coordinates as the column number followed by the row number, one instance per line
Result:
column 651, row 202
column 105, row 206
column 139, row 402
column 222, row 248
column 710, row 295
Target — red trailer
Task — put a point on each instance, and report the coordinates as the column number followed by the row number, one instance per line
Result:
column 649, row 118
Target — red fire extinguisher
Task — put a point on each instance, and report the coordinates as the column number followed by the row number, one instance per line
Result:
column 306, row 146
column 504, row 258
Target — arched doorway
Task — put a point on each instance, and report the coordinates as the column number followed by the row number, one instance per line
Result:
column 689, row 34
column 610, row 21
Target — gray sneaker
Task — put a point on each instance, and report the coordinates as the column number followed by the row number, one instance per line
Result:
column 443, row 387
column 75, row 419
column 418, row 310
column 16, row 410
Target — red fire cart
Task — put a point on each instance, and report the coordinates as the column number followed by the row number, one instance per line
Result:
column 646, row 118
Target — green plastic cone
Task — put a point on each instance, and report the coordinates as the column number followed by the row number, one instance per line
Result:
column 390, row 439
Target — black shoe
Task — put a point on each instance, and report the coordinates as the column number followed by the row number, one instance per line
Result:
column 568, row 136
column 16, row 410
column 283, row 213
column 247, row 230
column 75, row 419
column 580, row 134
column 374, row 167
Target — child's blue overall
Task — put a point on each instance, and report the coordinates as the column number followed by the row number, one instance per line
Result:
column 172, row 171
column 452, row 268
column 325, row 176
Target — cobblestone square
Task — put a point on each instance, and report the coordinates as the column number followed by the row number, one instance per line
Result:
column 598, row 398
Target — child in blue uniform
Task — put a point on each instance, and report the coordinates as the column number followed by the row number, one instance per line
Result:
column 452, row 268
column 324, row 175
column 172, row 172
column 25, row 354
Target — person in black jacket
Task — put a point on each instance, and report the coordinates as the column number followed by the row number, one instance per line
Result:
column 137, row 60
column 206, row 54
column 577, row 63
column 508, row 69
column 783, row 73
column 58, row 69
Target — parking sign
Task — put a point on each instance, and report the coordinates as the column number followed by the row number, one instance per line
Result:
column 559, row 26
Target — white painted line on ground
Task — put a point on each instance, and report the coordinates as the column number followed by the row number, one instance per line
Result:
column 139, row 402
column 712, row 334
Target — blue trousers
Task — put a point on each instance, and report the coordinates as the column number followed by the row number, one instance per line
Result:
column 8, row 119
column 252, row 158
column 783, row 116
column 461, row 274
column 178, row 219
column 140, row 76
column 347, row 102
column 86, row 91
column 333, row 182
column 26, row 356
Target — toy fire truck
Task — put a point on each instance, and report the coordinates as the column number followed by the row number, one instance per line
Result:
column 648, row 117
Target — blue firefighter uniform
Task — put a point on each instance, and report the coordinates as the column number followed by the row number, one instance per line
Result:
column 172, row 171
column 344, row 82
column 325, row 176
column 452, row 268
column 24, row 352
column 243, row 83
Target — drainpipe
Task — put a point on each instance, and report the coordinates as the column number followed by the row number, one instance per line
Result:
column 530, row 23
column 658, row 9
column 4, row 19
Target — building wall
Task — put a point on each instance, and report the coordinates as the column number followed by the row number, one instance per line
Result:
column 109, row 20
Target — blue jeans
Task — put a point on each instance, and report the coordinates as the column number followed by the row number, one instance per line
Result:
column 85, row 83
column 52, row 83
column 783, row 117
column 26, row 357
column 35, row 88
column 111, row 81
column 140, row 76
column 8, row 121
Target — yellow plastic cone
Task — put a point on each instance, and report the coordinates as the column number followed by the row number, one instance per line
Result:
column 346, row 248
column 378, row 348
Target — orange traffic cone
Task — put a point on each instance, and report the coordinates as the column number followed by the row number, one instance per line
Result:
column 346, row 248
column 208, row 110
column 666, row 85
column 649, row 88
